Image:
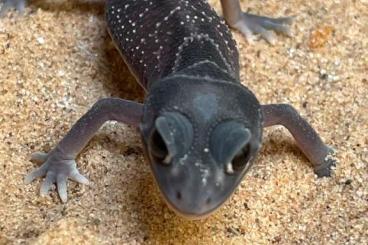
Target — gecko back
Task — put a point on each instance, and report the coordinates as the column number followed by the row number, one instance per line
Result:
column 159, row 38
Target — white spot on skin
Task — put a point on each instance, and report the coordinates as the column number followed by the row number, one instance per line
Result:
column 204, row 174
column 219, row 178
column 182, row 160
column 200, row 37
column 149, row 42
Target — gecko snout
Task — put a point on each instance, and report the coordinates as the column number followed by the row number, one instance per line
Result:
column 192, row 195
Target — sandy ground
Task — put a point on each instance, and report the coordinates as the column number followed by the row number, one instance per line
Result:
column 57, row 60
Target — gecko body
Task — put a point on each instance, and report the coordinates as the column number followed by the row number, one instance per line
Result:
column 186, row 59
column 200, row 126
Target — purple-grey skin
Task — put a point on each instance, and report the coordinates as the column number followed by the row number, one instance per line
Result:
column 200, row 126
column 6, row 5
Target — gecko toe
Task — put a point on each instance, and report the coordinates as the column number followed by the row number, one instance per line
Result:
column 326, row 169
column 281, row 28
column 47, row 183
column 286, row 20
column 77, row 177
column 39, row 172
column 269, row 36
column 62, row 188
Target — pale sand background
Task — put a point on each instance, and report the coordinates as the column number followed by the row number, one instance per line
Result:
column 58, row 59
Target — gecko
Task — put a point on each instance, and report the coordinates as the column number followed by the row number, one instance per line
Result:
column 201, row 128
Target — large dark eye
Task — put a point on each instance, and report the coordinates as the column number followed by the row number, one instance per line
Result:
column 170, row 137
column 158, row 147
column 241, row 159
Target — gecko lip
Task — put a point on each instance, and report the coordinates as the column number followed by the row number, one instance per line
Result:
column 192, row 202
column 191, row 215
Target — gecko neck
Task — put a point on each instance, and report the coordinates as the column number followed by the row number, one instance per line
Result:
column 205, row 70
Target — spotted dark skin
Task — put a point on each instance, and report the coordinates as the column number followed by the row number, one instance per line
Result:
column 200, row 127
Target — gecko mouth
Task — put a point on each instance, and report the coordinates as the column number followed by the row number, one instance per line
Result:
column 191, row 215
column 187, row 208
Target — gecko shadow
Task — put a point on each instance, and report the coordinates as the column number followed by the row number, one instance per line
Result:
column 120, row 82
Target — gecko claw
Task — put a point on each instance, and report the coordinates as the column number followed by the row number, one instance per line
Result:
column 329, row 163
column 39, row 172
column 57, row 169
column 46, row 184
column 62, row 187
column 77, row 177
column 325, row 169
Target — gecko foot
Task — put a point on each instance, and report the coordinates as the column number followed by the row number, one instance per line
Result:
column 7, row 5
column 57, row 168
column 250, row 25
column 325, row 169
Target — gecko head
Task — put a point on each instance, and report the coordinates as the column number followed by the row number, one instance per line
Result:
column 200, row 143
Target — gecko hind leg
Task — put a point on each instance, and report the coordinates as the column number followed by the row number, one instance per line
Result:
column 250, row 25
column 7, row 5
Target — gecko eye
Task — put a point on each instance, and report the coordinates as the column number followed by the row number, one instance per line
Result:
column 171, row 137
column 241, row 159
column 158, row 148
column 230, row 145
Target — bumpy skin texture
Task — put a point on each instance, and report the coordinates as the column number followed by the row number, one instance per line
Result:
column 196, row 182
column 186, row 58
column 200, row 127
column 159, row 38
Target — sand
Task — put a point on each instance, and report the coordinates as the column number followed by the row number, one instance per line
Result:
column 57, row 60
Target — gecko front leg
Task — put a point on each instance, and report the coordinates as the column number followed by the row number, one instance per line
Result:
column 306, row 137
column 59, row 164
column 249, row 24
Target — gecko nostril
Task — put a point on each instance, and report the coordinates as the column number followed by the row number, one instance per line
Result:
column 208, row 200
column 178, row 195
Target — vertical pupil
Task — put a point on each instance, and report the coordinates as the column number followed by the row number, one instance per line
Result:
column 241, row 159
column 158, row 148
